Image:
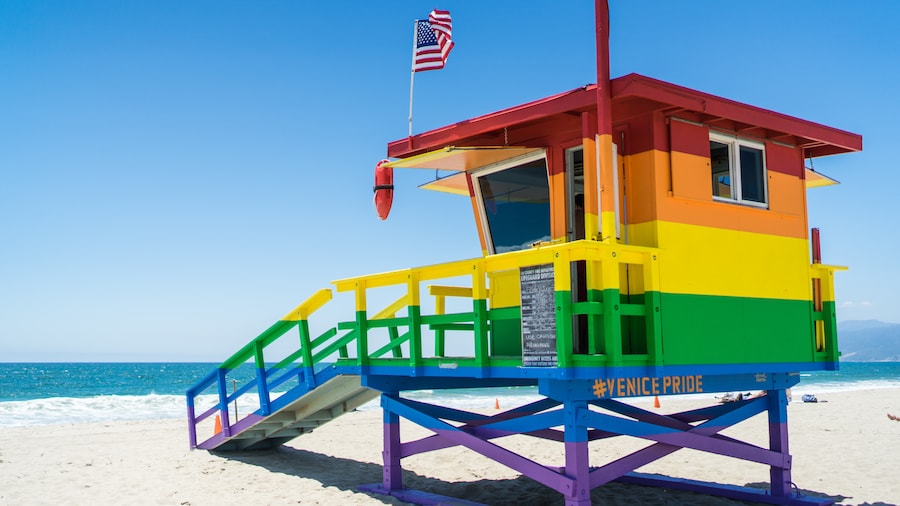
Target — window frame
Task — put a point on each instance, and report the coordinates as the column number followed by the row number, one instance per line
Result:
column 735, row 172
column 476, row 174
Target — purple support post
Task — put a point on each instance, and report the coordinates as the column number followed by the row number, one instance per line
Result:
column 577, row 463
column 393, row 479
column 780, row 476
column 192, row 422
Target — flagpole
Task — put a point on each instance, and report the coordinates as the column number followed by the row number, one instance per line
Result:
column 412, row 74
column 607, row 213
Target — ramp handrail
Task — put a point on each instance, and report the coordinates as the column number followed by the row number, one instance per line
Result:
column 265, row 379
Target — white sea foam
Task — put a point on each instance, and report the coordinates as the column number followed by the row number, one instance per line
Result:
column 838, row 386
column 102, row 408
column 112, row 408
column 109, row 408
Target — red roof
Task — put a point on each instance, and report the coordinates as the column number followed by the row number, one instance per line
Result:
column 632, row 95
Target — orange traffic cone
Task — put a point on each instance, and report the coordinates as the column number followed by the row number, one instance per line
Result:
column 656, row 401
column 496, row 403
column 218, row 428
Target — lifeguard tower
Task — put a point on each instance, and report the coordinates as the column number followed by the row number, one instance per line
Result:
column 640, row 239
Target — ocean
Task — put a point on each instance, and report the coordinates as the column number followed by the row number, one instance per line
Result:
column 60, row 393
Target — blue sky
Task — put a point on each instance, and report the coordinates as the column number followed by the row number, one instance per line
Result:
column 178, row 175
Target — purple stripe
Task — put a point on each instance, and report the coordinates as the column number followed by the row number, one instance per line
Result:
column 393, row 472
column 222, row 437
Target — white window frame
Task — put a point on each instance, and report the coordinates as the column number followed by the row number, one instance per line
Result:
column 497, row 167
column 734, row 144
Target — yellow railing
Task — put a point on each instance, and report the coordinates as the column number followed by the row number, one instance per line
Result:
column 602, row 262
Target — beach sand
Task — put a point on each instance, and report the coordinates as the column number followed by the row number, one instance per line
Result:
column 845, row 448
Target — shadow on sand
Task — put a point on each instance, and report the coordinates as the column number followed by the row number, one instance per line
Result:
column 346, row 474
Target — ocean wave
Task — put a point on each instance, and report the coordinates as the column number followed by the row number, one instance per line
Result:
column 839, row 386
column 112, row 408
column 100, row 408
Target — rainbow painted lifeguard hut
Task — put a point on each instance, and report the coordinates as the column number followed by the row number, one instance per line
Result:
column 640, row 239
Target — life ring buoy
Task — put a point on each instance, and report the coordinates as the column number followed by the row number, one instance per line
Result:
column 384, row 189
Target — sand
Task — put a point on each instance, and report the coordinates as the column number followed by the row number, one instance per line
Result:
column 845, row 448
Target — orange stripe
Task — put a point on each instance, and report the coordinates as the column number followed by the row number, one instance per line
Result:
column 787, row 195
column 648, row 182
column 558, row 227
column 606, row 174
column 690, row 200
column 591, row 221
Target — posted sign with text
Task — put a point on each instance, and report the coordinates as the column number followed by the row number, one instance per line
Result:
column 538, row 316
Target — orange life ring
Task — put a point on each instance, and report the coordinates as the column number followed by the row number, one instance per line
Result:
column 384, row 189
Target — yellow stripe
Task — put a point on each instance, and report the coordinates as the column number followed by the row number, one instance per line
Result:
column 608, row 227
column 712, row 261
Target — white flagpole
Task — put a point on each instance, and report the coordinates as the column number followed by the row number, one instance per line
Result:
column 412, row 74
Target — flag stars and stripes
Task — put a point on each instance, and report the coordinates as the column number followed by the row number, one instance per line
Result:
column 433, row 41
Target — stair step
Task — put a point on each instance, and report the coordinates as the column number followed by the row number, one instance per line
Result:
column 287, row 416
column 288, row 432
column 308, row 411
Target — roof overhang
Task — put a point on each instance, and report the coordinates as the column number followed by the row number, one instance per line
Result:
column 488, row 130
column 463, row 159
column 634, row 95
column 635, row 92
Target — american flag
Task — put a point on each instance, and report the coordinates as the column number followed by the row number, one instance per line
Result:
column 433, row 41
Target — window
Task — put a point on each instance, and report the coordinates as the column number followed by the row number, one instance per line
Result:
column 516, row 204
column 738, row 170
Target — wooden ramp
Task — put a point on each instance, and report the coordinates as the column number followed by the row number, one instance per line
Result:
column 294, row 413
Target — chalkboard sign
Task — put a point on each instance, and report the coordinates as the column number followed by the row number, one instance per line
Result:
column 538, row 316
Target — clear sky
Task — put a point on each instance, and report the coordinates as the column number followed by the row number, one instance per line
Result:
column 176, row 176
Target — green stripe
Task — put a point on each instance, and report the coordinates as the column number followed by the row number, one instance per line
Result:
column 677, row 329
column 700, row 329
column 829, row 315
